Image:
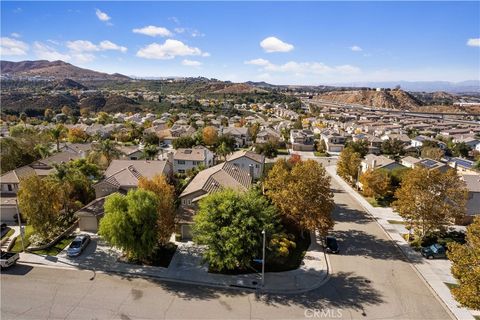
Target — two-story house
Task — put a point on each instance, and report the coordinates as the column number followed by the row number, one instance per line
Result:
column 187, row 159
column 302, row 140
column 247, row 160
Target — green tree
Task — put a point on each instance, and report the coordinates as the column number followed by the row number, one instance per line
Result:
column 348, row 164
column 432, row 153
column 268, row 149
column 151, row 138
column 253, row 131
column 103, row 152
column 360, row 147
column 430, row 199
column 165, row 194
column 461, row 149
column 149, row 152
column 183, row 142
column 130, row 223
column 223, row 150
column 57, row 134
column 466, row 267
column 43, row 149
column 39, row 201
column 231, row 224
column 393, row 147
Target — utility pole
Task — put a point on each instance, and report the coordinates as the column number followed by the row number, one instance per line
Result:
column 263, row 258
column 22, row 234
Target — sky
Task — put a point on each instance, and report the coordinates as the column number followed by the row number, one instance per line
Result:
column 278, row 42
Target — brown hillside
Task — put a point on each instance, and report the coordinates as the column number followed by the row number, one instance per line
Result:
column 394, row 99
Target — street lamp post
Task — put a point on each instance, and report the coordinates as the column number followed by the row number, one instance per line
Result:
column 263, row 258
column 20, row 226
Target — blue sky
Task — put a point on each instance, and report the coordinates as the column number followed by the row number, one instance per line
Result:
column 281, row 42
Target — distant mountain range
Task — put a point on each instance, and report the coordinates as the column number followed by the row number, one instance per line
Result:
column 58, row 69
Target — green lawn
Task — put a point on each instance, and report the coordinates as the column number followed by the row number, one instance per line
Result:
column 56, row 249
column 321, row 154
column 18, row 243
column 8, row 233
column 283, row 152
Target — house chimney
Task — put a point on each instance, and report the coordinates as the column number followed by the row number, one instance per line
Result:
column 251, row 170
column 374, row 163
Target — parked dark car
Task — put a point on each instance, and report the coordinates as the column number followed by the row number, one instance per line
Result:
column 434, row 251
column 78, row 245
column 331, row 244
column 4, row 226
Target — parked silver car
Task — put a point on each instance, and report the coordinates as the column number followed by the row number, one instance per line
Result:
column 78, row 245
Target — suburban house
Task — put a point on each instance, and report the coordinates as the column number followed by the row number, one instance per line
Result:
column 419, row 140
column 187, row 159
column 373, row 162
column 175, row 132
column 241, row 136
column 250, row 161
column 473, row 202
column 472, row 142
column 130, row 152
column 302, row 140
column 463, row 166
column 223, row 175
column 335, row 142
column 9, row 181
column 267, row 135
column 411, row 162
column 123, row 175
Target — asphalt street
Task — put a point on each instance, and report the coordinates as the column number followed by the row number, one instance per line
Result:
column 370, row 279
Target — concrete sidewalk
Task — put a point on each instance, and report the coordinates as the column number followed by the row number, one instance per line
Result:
column 434, row 272
column 187, row 267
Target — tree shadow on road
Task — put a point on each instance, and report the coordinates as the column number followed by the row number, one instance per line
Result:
column 360, row 243
column 342, row 213
column 343, row 290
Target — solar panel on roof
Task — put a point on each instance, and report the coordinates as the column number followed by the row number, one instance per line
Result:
column 429, row 163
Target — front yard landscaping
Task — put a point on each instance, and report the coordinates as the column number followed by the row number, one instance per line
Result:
column 59, row 247
column 161, row 256
column 17, row 247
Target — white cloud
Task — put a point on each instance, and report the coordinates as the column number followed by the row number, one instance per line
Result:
column 82, row 46
column 88, row 46
column 82, row 57
column 174, row 19
column 15, row 35
column 168, row 50
column 196, row 33
column 206, row 54
column 356, row 48
column 108, row 45
column 12, row 47
column 273, row 44
column 303, row 68
column 179, row 30
column 473, row 42
column 45, row 52
column 102, row 16
column 258, row 62
column 191, row 63
column 153, row 31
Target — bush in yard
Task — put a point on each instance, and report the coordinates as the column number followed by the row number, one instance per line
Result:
column 130, row 223
column 230, row 223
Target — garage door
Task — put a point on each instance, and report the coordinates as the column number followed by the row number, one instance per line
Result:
column 88, row 224
column 187, row 232
column 7, row 213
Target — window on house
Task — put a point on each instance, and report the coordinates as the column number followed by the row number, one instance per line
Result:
column 9, row 187
column 256, row 166
column 181, row 171
column 181, row 161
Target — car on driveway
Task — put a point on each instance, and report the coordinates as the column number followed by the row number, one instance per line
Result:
column 331, row 244
column 434, row 251
column 78, row 245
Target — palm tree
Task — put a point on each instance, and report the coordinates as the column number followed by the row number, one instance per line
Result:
column 150, row 151
column 223, row 150
column 106, row 149
column 43, row 150
column 57, row 133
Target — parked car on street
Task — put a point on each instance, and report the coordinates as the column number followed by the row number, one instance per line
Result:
column 434, row 251
column 331, row 244
column 8, row 259
column 78, row 245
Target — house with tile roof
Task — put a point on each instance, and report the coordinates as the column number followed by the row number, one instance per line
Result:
column 220, row 176
column 123, row 175
column 248, row 160
column 191, row 158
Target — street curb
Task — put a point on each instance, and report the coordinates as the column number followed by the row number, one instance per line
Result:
column 399, row 248
column 324, row 280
